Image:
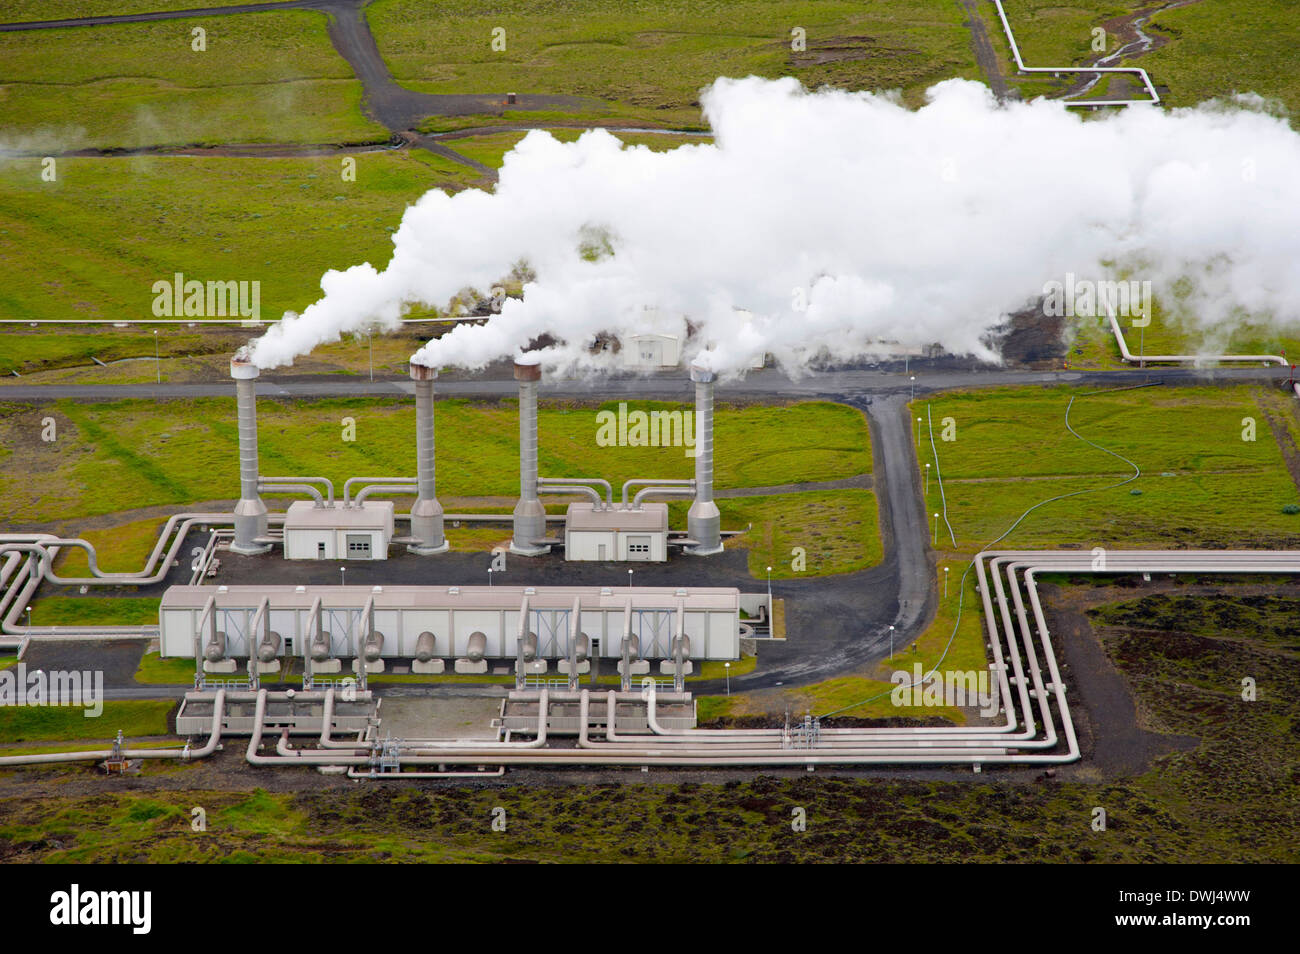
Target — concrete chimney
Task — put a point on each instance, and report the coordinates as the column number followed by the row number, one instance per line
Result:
column 426, row 512
column 530, row 515
column 703, row 522
column 250, row 512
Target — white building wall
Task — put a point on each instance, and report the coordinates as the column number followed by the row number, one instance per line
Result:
column 713, row 633
column 586, row 544
column 304, row 544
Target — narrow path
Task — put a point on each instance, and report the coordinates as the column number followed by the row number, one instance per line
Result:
column 1290, row 454
column 982, row 47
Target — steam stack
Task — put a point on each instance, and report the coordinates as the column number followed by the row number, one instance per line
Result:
column 703, row 522
column 250, row 512
column 426, row 512
column 530, row 515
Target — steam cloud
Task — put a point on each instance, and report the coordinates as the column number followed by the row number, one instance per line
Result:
column 837, row 221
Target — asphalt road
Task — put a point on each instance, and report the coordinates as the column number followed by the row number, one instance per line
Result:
column 830, row 385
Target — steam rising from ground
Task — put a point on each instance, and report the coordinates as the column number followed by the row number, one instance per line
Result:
column 837, row 221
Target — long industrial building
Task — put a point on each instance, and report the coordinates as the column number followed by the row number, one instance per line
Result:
column 465, row 622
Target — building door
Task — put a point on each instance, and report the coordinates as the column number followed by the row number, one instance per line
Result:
column 320, row 550
column 602, row 552
column 638, row 547
column 358, row 546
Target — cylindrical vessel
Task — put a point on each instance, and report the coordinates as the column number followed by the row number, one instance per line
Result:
column 583, row 648
column 374, row 645
column 269, row 648
column 476, row 648
column 529, row 514
column 684, row 642
column 250, row 511
column 530, row 647
column 426, row 645
column 320, row 647
column 703, row 522
column 631, row 646
column 216, row 648
column 426, row 512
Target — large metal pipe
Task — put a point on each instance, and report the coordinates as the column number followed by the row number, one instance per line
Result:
column 529, row 515
column 426, row 512
column 185, row 754
column 588, row 485
column 250, row 512
column 703, row 522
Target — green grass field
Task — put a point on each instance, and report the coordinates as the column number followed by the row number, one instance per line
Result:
column 28, row 349
column 95, row 610
column 135, row 717
column 117, row 456
column 108, row 229
column 23, row 11
column 1251, row 46
column 647, row 62
column 838, row 530
column 156, row 671
column 1201, row 483
column 270, row 77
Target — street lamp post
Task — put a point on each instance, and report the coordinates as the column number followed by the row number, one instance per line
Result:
column 891, row 642
column 769, row 598
column 927, row 478
column 157, row 357
column 914, row 387
column 936, row 530
column 490, row 569
column 342, row 575
column 945, row 582
column 629, row 579
column 727, row 666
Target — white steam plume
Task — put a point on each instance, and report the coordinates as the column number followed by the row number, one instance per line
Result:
column 838, row 220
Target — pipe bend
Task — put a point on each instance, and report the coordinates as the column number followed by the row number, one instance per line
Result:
column 661, row 491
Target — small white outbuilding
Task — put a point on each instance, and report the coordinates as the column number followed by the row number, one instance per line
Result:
column 648, row 352
column 335, row 532
column 624, row 534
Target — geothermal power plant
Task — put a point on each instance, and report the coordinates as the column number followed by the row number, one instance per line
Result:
column 555, row 640
column 595, row 673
